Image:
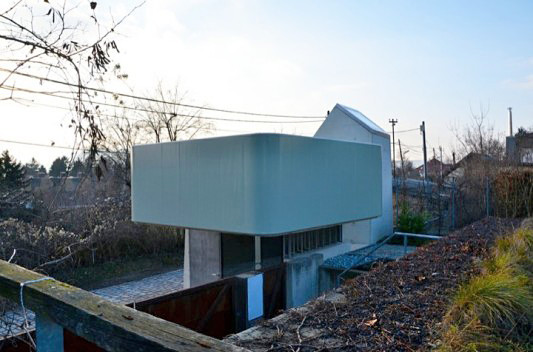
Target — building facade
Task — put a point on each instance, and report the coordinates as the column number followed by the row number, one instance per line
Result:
column 256, row 201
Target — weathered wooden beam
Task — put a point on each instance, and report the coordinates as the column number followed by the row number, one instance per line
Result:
column 111, row 326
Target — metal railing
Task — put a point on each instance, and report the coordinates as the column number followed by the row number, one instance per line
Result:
column 375, row 247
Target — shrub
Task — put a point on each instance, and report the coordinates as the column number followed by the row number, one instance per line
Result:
column 513, row 192
column 492, row 311
column 411, row 222
column 92, row 235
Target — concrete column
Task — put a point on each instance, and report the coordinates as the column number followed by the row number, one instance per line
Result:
column 257, row 253
column 186, row 262
column 202, row 258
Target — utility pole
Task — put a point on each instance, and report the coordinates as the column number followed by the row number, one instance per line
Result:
column 401, row 158
column 510, row 121
column 393, row 122
column 441, row 171
column 423, row 130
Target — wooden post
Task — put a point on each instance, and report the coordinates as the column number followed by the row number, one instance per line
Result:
column 110, row 326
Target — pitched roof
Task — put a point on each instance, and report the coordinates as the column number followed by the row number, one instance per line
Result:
column 471, row 157
column 364, row 121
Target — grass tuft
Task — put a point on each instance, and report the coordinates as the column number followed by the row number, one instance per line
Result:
column 494, row 311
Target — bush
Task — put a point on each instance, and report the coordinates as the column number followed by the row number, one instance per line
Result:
column 409, row 221
column 88, row 236
column 492, row 311
column 513, row 192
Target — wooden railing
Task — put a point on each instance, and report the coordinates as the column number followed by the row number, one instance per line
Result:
column 63, row 310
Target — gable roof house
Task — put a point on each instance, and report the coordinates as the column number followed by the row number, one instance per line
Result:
column 347, row 124
column 470, row 161
column 436, row 169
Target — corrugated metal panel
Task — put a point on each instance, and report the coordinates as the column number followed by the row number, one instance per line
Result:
column 264, row 184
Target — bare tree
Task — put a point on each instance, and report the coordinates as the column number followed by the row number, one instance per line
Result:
column 164, row 119
column 50, row 42
column 122, row 134
column 479, row 137
column 157, row 119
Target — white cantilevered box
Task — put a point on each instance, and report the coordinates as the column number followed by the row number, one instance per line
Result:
column 258, row 184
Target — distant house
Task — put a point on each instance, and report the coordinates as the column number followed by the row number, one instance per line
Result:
column 436, row 169
column 519, row 148
column 457, row 171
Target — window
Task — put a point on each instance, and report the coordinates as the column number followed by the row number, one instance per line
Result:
column 271, row 251
column 238, row 254
column 301, row 242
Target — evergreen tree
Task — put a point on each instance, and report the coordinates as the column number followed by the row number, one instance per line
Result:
column 77, row 167
column 58, row 166
column 521, row 132
column 32, row 168
column 11, row 172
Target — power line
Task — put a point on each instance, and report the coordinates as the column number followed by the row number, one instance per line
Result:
column 215, row 129
column 404, row 131
column 12, row 88
column 40, row 78
column 36, row 144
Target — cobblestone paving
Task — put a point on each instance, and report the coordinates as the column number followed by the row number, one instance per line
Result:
column 11, row 323
column 141, row 290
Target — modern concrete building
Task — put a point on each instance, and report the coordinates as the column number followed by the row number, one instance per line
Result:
column 255, row 201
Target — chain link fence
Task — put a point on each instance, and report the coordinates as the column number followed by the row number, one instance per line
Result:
column 455, row 202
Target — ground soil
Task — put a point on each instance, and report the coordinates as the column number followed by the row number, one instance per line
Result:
column 397, row 306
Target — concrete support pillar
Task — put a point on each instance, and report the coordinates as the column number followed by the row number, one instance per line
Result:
column 186, row 262
column 202, row 258
column 257, row 253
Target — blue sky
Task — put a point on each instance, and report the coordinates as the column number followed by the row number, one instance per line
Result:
column 411, row 60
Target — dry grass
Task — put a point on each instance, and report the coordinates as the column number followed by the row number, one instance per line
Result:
column 493, row 311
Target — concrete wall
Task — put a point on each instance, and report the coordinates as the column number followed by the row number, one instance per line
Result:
column 202, row 258
column 303, row 279
column 357, row 232
column 383, row 226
